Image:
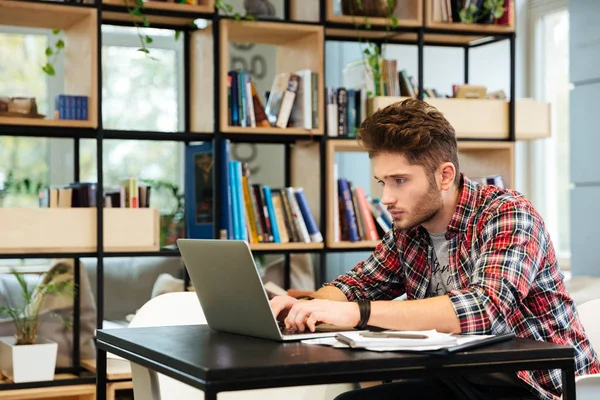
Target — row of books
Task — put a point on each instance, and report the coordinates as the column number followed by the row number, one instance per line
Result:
column 357, row 216
column 291, row 102
column 263, row 214
column 129, row 194
column 71, row 107
column 346, row 109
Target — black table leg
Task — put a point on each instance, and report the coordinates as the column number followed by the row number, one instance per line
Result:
column 568, row 382
column 210, row 394
column 100, row 374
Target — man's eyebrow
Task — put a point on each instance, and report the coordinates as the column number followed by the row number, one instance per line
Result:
column 392, row 176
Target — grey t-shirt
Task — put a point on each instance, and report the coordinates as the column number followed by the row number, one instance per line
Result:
column 441, row 279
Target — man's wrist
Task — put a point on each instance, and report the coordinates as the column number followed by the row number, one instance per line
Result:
column 364, row 310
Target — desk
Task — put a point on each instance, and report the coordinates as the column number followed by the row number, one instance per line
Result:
column 216, row 362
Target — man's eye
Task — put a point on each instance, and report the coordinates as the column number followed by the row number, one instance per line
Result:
column 380, row 183
column 400, row 181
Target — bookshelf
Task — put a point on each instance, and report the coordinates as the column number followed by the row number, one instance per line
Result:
column 487, row 129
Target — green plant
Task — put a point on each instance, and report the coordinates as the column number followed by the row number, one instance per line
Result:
column 490, row 10
column 18, row 186
column 52, row 53
column 373, row 52
column 26, row 317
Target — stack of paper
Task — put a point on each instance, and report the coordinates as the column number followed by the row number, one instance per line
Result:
column 431, row 339
column 395, row 340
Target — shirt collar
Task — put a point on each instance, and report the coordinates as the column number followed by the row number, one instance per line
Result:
column 465, row 206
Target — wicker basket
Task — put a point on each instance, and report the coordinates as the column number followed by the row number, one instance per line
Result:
column 370, row 8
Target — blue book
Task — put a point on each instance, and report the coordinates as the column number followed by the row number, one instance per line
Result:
column 234, row 208
column 239, row 201
column 348, row 209
column 309, row 218
column 271, row 211
column 226, row 217
column 199, row 193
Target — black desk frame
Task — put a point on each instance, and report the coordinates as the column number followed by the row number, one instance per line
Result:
column 556, row 358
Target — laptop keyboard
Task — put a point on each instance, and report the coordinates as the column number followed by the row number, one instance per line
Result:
column 285, row 331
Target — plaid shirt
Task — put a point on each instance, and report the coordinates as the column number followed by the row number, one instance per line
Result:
column 505, row 274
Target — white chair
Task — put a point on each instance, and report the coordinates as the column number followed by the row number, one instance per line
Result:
column 183, row 308
column 588, row 386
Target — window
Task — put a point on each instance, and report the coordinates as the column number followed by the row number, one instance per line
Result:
column 143, row 94
column 550, row 172
column 24, row 159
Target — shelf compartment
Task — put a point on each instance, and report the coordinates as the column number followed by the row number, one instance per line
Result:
column 159, row 13
column 486, row 118
column 297, row 47
column 345, row 146
column 479, row 159
column 80, row 27
column 71, row 230
column 481, row 32
column 408, row 13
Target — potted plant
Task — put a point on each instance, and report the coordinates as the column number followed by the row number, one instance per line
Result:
column 26, row 357
column 368, row 8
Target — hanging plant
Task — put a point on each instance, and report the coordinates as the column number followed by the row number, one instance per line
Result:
column 52, row 53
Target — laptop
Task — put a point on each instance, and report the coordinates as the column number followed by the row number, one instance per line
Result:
column 231, row 292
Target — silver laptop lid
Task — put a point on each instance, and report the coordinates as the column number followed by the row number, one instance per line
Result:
column 229, row 287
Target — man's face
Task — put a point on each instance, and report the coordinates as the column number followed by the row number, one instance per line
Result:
column 408, row 193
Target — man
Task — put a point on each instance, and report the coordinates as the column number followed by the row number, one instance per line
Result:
column 471, row 259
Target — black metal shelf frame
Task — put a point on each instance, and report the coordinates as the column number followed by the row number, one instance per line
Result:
column 99, row 134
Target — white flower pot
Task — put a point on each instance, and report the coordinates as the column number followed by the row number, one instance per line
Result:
column 28, row 363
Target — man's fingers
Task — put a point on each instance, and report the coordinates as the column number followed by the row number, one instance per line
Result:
column 313, row 319
column 301, row 318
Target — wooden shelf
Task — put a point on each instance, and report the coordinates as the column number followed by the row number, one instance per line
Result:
column 297, row 47
column 80, row 26
column 55, row 123
column 162, row 13
column 486, row 118
column 66, row 392
column 270, row 131
column 285, row 246
column 42, row 14
column 73, row 230
column 366, row 244
column 116, row 369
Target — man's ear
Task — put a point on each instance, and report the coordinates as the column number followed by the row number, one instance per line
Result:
column 447, row 172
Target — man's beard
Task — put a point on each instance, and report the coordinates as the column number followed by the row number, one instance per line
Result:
column 428, row 206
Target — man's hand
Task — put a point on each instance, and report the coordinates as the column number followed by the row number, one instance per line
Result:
column 307, row 314
column 280, row 305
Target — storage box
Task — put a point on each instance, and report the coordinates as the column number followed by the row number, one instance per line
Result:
column 41, row 230
column 486, row 118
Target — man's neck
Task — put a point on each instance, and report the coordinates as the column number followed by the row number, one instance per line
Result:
column 440, row 223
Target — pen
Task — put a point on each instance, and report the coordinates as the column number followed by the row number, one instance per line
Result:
column 344, row 339
column 395, row 335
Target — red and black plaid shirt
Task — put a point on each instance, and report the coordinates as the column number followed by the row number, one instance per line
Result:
column 504, row 268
